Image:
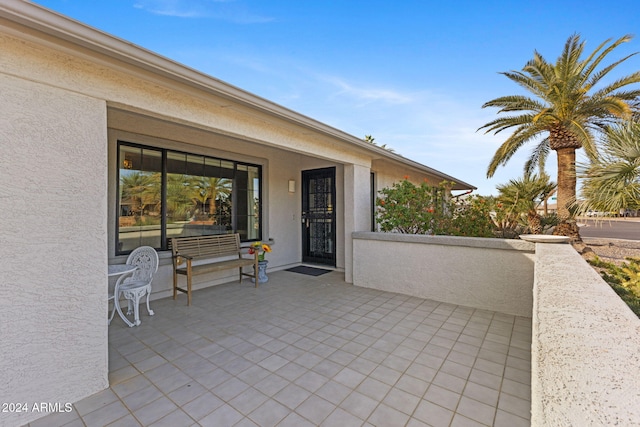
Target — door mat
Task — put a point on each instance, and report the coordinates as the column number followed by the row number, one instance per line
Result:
column 309, row 271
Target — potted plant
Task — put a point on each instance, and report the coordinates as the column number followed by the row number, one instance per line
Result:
column 261, row 249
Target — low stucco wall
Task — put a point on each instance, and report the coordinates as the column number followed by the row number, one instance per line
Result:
column 585, row 346
column 490, row 274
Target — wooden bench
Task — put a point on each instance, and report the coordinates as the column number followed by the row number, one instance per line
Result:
column 219, row 252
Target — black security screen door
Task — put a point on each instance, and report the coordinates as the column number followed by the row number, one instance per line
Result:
column 319, row 216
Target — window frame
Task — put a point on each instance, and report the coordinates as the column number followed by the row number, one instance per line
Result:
column 164, row 241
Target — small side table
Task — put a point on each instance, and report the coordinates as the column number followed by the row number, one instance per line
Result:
column 121, row 271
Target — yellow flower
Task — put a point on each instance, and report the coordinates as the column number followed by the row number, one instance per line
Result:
column 266, row 247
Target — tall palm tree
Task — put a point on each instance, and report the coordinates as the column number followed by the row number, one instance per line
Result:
column 525, row 194
column 612, row 182
column 210, row 188
column 564, row 113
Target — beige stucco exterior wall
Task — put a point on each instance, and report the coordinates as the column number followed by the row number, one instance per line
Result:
column 489, row 274
column 53, row 193
column 585, row 346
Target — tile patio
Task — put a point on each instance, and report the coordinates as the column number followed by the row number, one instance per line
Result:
column 312, row 351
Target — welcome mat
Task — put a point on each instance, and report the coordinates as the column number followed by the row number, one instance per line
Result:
column 309, row 271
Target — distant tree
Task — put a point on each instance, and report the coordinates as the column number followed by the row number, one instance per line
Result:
column 563, row 114
column 371, row 140
column 612, row 181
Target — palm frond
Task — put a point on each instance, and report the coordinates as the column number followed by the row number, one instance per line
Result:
column 595, row 61
column 515, row 103
column 612, row 181
column 538, row 157
column 595, row 78
column 503, row 123
column 502, row 155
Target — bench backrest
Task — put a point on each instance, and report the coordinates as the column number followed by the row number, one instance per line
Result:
column 206, row 246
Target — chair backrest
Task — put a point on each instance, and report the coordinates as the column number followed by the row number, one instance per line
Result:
column 146, row 259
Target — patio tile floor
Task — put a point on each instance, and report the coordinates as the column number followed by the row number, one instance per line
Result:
column 312, row 351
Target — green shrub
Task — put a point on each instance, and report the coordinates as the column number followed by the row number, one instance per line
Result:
column 408, row 208
column 472, row 218
column 623, row 279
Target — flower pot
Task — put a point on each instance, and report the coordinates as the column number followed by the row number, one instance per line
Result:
column 262, row 272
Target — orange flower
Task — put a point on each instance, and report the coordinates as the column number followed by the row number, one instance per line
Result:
column 406, row 177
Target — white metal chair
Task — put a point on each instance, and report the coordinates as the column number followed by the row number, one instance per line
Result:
column 134, row 287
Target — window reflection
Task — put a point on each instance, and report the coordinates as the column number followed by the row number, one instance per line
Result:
column 140, row 198
column 202, row 196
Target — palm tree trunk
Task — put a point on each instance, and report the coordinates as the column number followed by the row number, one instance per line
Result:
column 533, row 219
column 566, row 193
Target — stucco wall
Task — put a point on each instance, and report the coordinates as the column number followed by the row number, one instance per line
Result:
column 53, row 309
column 490, row 274
column 585, row 347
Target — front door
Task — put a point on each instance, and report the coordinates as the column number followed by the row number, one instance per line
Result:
column 319, row 216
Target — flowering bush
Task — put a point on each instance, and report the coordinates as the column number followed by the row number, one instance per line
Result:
column 411, row 209
column 259, row 248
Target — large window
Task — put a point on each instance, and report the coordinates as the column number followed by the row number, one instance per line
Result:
column 164, row 194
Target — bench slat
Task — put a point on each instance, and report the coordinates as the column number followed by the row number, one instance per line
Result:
column 217, row 266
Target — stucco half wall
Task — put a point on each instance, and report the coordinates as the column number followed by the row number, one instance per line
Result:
column 489, row 274
column 53, row 256
column 585, row 346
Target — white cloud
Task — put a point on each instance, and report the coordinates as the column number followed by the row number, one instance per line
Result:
column 368, row 94
column 433, row 128
column 226, row 10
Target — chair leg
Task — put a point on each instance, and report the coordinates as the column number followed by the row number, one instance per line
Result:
column 151, row 313
column 136, row 310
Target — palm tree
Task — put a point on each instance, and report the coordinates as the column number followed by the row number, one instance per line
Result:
column 139, row 190
column 179, row 202
column 612, row 182
column 210, row 188
column 564, row 113
column 525, row 194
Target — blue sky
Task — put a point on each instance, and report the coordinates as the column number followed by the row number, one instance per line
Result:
column 412, row 73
